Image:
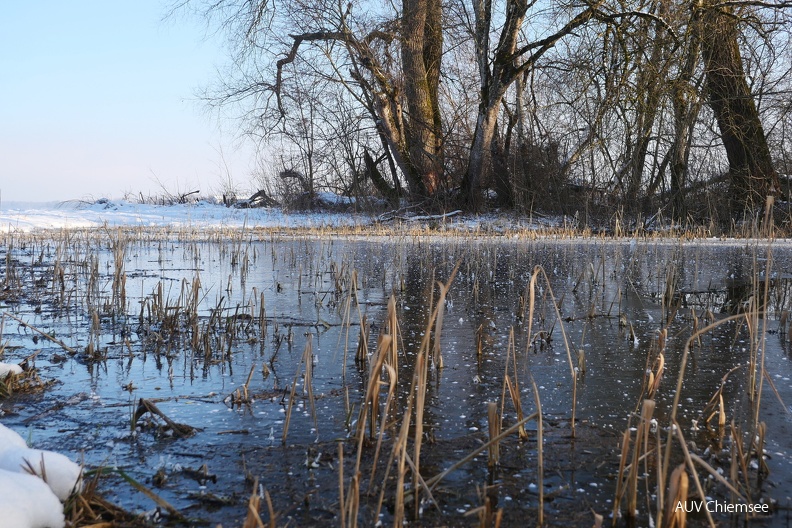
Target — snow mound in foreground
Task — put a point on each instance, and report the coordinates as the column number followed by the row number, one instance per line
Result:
column 33, row 501
column 27, row 502
column 60, row 473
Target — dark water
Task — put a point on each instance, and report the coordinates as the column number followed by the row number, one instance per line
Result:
column 603, row 290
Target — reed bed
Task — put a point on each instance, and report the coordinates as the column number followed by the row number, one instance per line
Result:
column 394, row 467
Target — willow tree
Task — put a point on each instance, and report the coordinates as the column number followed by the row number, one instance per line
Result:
column 389, row 61
column 422, row 52
column 751, row 171
column 499, row 68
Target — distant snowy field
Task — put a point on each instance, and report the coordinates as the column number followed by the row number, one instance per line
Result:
column 25, row 216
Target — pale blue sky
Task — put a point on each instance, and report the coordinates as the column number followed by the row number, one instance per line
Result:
column 97, row 98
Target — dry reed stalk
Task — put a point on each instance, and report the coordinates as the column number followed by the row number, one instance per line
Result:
column 733, row 467
column 677, row 491
column 670, row 301
column 375, row 374
column 400, row 453
column 353, row 501
column 289, row 407
column 689, row 462
column 483, row 512
column 480, row 341
column 765, row 295
column 512, row 386
column 434, row 481
column 761, row 432
column 639, row 447
column 695, row 325
column 273, row 517
column 742, row 455
column 253, row 519
column 421, row 373
column 308, row 381
column 531, row 308
column 539, row 450
column 392, row 328
column 392, row 456
column 437, row 357
column 620, row 480
column 370, row 403
column 45, row 335
column 493, row 423
column 655, row 376
column 361, row 354
column 383, row 422
column 341, row 502
column 660, row 476
column 680, row 380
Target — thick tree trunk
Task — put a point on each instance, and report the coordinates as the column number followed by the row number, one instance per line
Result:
column 753, row 177
column 480, row 157
column 421, row 54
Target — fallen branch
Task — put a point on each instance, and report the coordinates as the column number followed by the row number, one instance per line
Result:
column 55, row 340
column 418, row 218
column 146, row 406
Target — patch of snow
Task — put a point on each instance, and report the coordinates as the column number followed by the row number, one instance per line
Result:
column 107, row 213
column 27, row 502
column 10, row 438
column 62, row 475
column 9, row 368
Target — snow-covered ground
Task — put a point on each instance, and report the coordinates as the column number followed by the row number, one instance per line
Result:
column 33, row 483
column 17, row 217
column 34, row 216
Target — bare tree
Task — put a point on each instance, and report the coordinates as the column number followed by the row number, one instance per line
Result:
column 498, row 69
column 753, row 176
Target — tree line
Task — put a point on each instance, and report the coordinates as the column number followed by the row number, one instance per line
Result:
column 675, row 106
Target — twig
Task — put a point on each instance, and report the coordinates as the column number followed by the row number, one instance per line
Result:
column 55, row 340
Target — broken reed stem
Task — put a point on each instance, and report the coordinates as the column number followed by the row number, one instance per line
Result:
column 539, row 451
column 512, row 386
column 45, row 335
column 620, row 480
column 253, row 519
column 689, row 461
column 400, row 452
column 677, row 491
column 361, row 353
column 762, row 309
column 289, row 407
column 532, row 300
column 437, row 357
column 372, row 395
column 493, row 422
column 434, row 481
column 342, row 504
column 717, row 476
column 308, row 383
column 640, row 445
column 680, row 379
column 273, row 517
column 422, row 370
column 392, row 328
column 383, row 421
column 353, row 501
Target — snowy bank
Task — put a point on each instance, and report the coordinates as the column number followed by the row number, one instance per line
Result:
column 33, row 501
column 200, row 215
